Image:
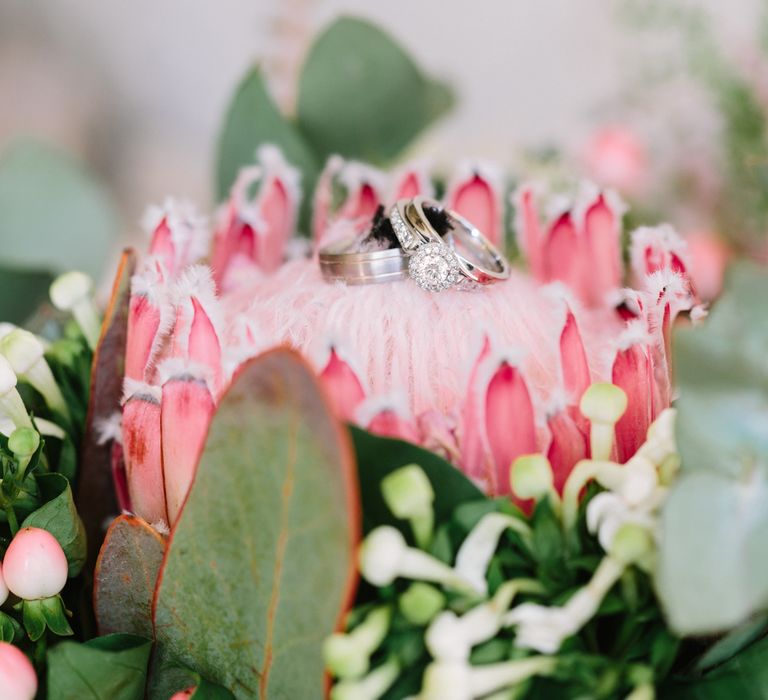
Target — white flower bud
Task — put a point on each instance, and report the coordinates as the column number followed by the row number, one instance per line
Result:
column 72, row 292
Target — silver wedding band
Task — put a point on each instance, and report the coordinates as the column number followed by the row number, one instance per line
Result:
column 462, row 257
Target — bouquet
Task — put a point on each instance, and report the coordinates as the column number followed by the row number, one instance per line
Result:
column 241, row 479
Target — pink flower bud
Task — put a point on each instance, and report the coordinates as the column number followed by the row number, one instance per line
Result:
column 34, row 565
column 615, row 157
column 18, row 680
column 342, row 385
column 709, row 256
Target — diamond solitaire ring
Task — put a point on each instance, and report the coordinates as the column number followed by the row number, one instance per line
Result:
column 462, row 257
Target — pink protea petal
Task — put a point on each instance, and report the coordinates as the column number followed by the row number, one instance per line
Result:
column 475, row 198
column 530, row 236
column 602, row 237
column 186, row 411
column 573, row 359
column 438, row 434
column 323, row 198
column 632, row 371
column 18, row 680
column 389, row 423
column 569, row 444
column 509, row 421
column 148, row 320
column 142, row 447
column 342, row 385
column 656, row 249
column 474, row 450
column 178, row 235
column 562, row 256
column 413, row 180
column 361, row 203
column 119, row 476
column 278, row 224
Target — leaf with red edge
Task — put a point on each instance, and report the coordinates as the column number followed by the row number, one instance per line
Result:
column 126, row 576
column 96, row 500
column 261, row 562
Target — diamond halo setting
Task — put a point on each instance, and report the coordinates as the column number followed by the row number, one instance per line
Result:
column 434, row 267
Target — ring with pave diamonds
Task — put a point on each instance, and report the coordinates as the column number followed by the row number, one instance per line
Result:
column 344, row 262
column 461, row 257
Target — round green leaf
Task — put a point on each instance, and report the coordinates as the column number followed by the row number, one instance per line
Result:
column 362, row 96
column 53, row 214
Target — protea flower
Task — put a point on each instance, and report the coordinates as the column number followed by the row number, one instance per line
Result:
column 480, row 377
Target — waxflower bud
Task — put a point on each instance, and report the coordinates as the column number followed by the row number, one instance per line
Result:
column 348, row 655
column 371, row 687
column 24, row 442
column 603, row 404
column 34, row 566
column 18, row 680
column 385, row 556
column 11, row 404
column 25, row 353
column 532, row 477
column 72, row 292
column 421, row 602
column 631, row 543
column 409, row 495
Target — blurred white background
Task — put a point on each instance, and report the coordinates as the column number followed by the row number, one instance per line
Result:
column 137, row 89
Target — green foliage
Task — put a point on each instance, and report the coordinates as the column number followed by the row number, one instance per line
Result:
column 59, row 516
column 714, row 552
column 105, row 668
column 252, row 120
column 259, row 562
column 53, row 215
column 362, row 96
column 21, row 291
column 126, row 576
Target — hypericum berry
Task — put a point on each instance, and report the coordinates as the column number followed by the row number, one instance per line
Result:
column 18, row 680
column 184, row 694
column 35, row 566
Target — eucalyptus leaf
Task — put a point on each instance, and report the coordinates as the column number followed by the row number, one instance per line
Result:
column 713, row 564
column 105, row 668
column 59, row 516
column 253, row 119
column 261, row 561
column 361, row 95
column 126, row 576
column 53, row 215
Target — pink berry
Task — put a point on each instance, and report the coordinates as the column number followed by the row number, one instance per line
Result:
column 184, row 694
column 34, row 565
column 17, row 676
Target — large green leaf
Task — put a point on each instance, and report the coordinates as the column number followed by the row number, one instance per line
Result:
column 378, row 456
column 261, row 562
column 362, row 96
column 21, row 292
column 126, row 576
column 713, row 566
column 53, row 214
column 105, row 668
column 59, row 517
column 253, row 119
column 744, row 676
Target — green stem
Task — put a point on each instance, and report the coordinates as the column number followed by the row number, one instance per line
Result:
column 12, row 520
column 41, row 646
